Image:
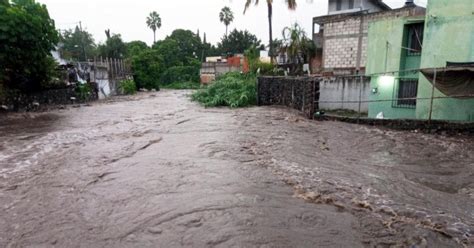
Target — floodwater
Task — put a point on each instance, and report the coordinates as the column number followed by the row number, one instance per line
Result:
column 156, row 170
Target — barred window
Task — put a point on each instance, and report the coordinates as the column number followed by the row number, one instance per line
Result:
column 351, row 4
column 407, row 88
column 415, row 39
column 339, row 5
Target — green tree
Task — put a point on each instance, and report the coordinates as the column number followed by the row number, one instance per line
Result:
column 170, row 52
column 154, row 22
column 291, row 4
column 77, row 45
column 238, row 42
column 114, row 47
column 226, row 16
column 134, row 48
column 147, row 69
column 190, row 46
column 27, row 37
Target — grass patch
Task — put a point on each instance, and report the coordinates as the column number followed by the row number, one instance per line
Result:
column 234, row 90
column 182, row 85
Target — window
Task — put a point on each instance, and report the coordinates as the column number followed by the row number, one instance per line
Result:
column 407, row 88
column 415, row 39
column 339, row 5
column 351, row 4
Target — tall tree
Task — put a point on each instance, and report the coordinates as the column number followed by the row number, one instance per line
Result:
column 226, row 16
column 298, row 47
column 27, row 37
column 77, row 45
column 238, row 42
column 154, row 22
column 114, row 47
column 291, row 4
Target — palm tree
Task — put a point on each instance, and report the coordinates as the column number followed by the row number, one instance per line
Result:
column 291, row 4
column 297, row 45
column 154, row 22
column 226, row 16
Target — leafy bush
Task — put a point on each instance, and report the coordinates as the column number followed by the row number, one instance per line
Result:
column 233, row 90
column 182, row 85
column 147, row 69
column 83, row 91
column 128, row 87
column 27, row 37
column 180, row 74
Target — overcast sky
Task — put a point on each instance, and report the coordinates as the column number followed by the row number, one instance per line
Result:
column 127, row 17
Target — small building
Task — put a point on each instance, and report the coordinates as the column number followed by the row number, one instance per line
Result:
column 341, row 40
column 404, row 53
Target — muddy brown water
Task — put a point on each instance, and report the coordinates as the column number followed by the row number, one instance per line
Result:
column 156, row 170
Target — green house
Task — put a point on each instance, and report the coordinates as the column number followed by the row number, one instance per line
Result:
column 399, row 47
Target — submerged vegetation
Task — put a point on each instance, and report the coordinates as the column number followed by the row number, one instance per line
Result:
column 128, row 87
column 182, row 85
column 233, row 90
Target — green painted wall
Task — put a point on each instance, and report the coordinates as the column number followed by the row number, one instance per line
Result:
column 383, row 59
column 449, row 36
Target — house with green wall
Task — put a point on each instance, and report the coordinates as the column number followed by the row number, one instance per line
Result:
column 399, row 47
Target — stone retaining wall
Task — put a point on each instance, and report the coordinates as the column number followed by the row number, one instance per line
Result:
column 301, row 93
column 37, row 100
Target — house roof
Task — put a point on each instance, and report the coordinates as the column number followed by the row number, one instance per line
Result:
column 415, row 11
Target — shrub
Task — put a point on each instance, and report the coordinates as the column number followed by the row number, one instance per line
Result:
column 83, row 92
column 180, row 74
column 233, row 90
column 182, row 85
column 128, row 87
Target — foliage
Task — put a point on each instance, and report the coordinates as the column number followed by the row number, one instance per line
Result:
column 170, row 52
column 153, row 21
column 134, row 48
column 233, row 90
column 182, row 85
column 83, row 91
column 189, row 45
column 298, row 47
column 114, row 47
column 226, row 16
column 253, row 56
column 238, row 42
column 77, row 45
column 180, row 74
column 27, row 37
column 128, row 87
column 170, row 60
column 147, row 69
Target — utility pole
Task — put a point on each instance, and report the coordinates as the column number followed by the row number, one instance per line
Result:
column 82, row 42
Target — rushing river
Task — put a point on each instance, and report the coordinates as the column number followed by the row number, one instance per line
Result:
column 158, row 170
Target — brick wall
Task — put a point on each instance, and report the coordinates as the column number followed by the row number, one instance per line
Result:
column 342, row 36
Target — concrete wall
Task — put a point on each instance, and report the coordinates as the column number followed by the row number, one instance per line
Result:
column 444, row 20
column 346, row 89
column 449, row 36
column 211, row 70
column 385, row 53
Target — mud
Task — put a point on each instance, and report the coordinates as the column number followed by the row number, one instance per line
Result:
column 157, row 170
